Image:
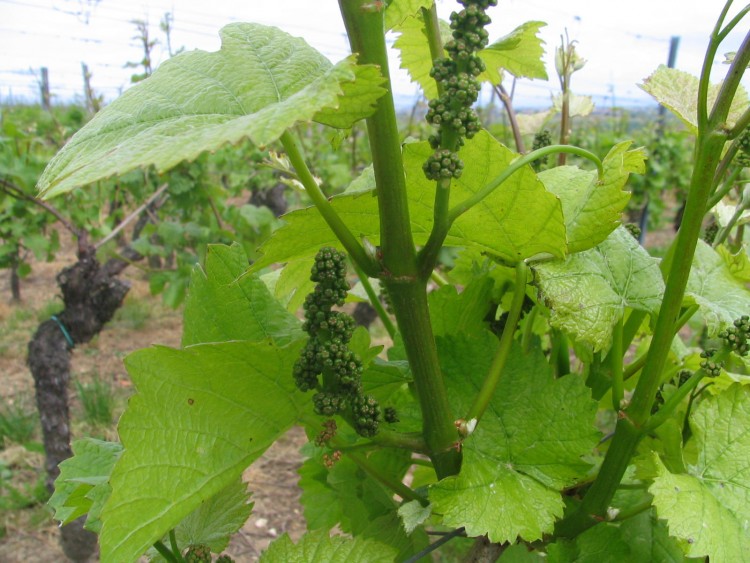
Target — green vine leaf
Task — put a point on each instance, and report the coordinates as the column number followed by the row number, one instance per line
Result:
column 416, row 58
column 527, row 448
column 518, row 220
column 398, row 10
column 260, row 83
column 227, row 403
column 520, row 53
column 320, row 546
column 225, row 303
column 677, row 91
column 592, row 210
column 722, row 298
column 83, row 484
column 709, row 507
column 589, row 291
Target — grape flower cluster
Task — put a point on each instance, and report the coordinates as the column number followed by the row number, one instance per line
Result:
column 326, row 364
column 451, row 111
column 735, row 337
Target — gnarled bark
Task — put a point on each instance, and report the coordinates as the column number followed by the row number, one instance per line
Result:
column 91, row 294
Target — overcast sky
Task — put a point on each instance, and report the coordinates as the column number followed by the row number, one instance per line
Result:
column 623, row 42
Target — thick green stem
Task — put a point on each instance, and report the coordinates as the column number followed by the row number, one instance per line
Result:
column 410, row 304
column 364, row 24
column 487, row 391
column 342, row 232
column 601, row 491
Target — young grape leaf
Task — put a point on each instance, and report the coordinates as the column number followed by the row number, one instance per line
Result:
column 709, row 508
column 416, row 57
column 578, row 105
column 83, row 481
column 520, row 53
column 225, row 303
column 346, row 496
column 320, row 546
column 260, row 83
column 591, row 209
column 739, row 263
column 677, row 91
column 215, row 521
column 601, row 543
column 519, row 553
column 398, row 10
column 200, row 417
column 527, row 448
column 452, row 312
column 722, row 298
column 413, row 515
column 589, row 291
column 518, row 220
column 640, row 538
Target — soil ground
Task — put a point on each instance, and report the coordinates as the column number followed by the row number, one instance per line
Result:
column 28, row 534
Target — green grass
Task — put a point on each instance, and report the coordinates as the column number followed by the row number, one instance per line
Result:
column 97, row 401
column 133, row 314
column 51, row 307
column 18, row 421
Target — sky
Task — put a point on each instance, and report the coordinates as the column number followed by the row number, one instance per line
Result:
column 623, row 42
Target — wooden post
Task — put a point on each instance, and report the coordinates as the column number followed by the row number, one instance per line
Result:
column 93, row 104
column 44, row 88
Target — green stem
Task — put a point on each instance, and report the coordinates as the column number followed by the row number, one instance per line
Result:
column 175, row 547
column 615, row 366
column 732, row 24
column 515, row 166
column 434, row 40
column 375, row 302
column 668, row 408
column 337, row 225
column 560, row 354
column 386, row 438
column 723, row 233
column 634, row 366
column 394, row 485
column 439, row 280
column 634, row 510
column 365, row 27
column 165, row 552
column 728, row 183
column 428, row 256
column 483, row 398
column 528, row 329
